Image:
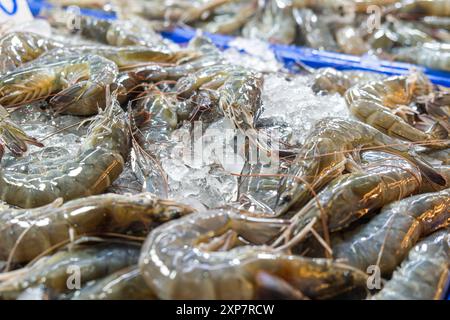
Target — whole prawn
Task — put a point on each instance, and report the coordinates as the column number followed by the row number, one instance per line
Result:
column 78, row 84
column 352, row 196
column 379, row 105
column 175, row 266
column 330, row 80
column 25, row 234
column 98, row 163
column 325, row 155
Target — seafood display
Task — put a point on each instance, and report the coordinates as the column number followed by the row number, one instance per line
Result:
column 415, row 31
column 135, row 168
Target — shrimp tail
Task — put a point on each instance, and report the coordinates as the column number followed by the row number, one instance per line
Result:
column 67, row 97
column 428, row 171
column 16, row 140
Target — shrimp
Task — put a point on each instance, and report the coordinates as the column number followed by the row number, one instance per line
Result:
column 424, row 275
column 386, row 239
column 216, row 74
column 17, row 48
column 153, row 137
column 331, row 80
column 91, row 4
column 440, row 8
column 94, row 262
column 25, row 234
column 271, row 23
column 231, row 24
column 78, row 84
column 378, row 103
column 98, row 163
column 125, row 284
column 13, row 137
column 352, row 196
column 208, row 56
column 441, row 156
column 361, row 6
column 196, row 12
column 240, row 100
column 324, row 156
column 338, row 5
column 175, row 266
column 431, row 54
column 125, row 57
column 119, row 32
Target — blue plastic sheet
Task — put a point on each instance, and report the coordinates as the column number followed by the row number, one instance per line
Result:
column 289, row 55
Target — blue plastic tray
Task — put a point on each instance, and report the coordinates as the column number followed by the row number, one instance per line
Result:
column 289, row 55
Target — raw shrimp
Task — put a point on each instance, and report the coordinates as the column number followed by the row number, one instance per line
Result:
column 25, row 234
column 175, row 267
column 153, row 137
column 339, row 5
column 441, row 156
column 234, row 23
column 94, row 262
column 196, row 12
column 119, row 32
column 214, row 74
column 363, row 5
column 125, row 284
column 91, row 4
column 424, row 275
column 324, row 156
column 380, row 104
column 440, row 8
column 352, row 196
column 386, row 239
column 240, row 100
column 125, row 58
column 431, row 54
column 78, row 84
column 98, row 163
column 271, row 23
column 331, row 80
column 208, row 55
column 17, row 48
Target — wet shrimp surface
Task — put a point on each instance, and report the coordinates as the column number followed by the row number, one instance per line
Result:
column 162, row 171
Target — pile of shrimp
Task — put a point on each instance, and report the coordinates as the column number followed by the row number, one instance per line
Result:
column 416, row 31
column 359, row 210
